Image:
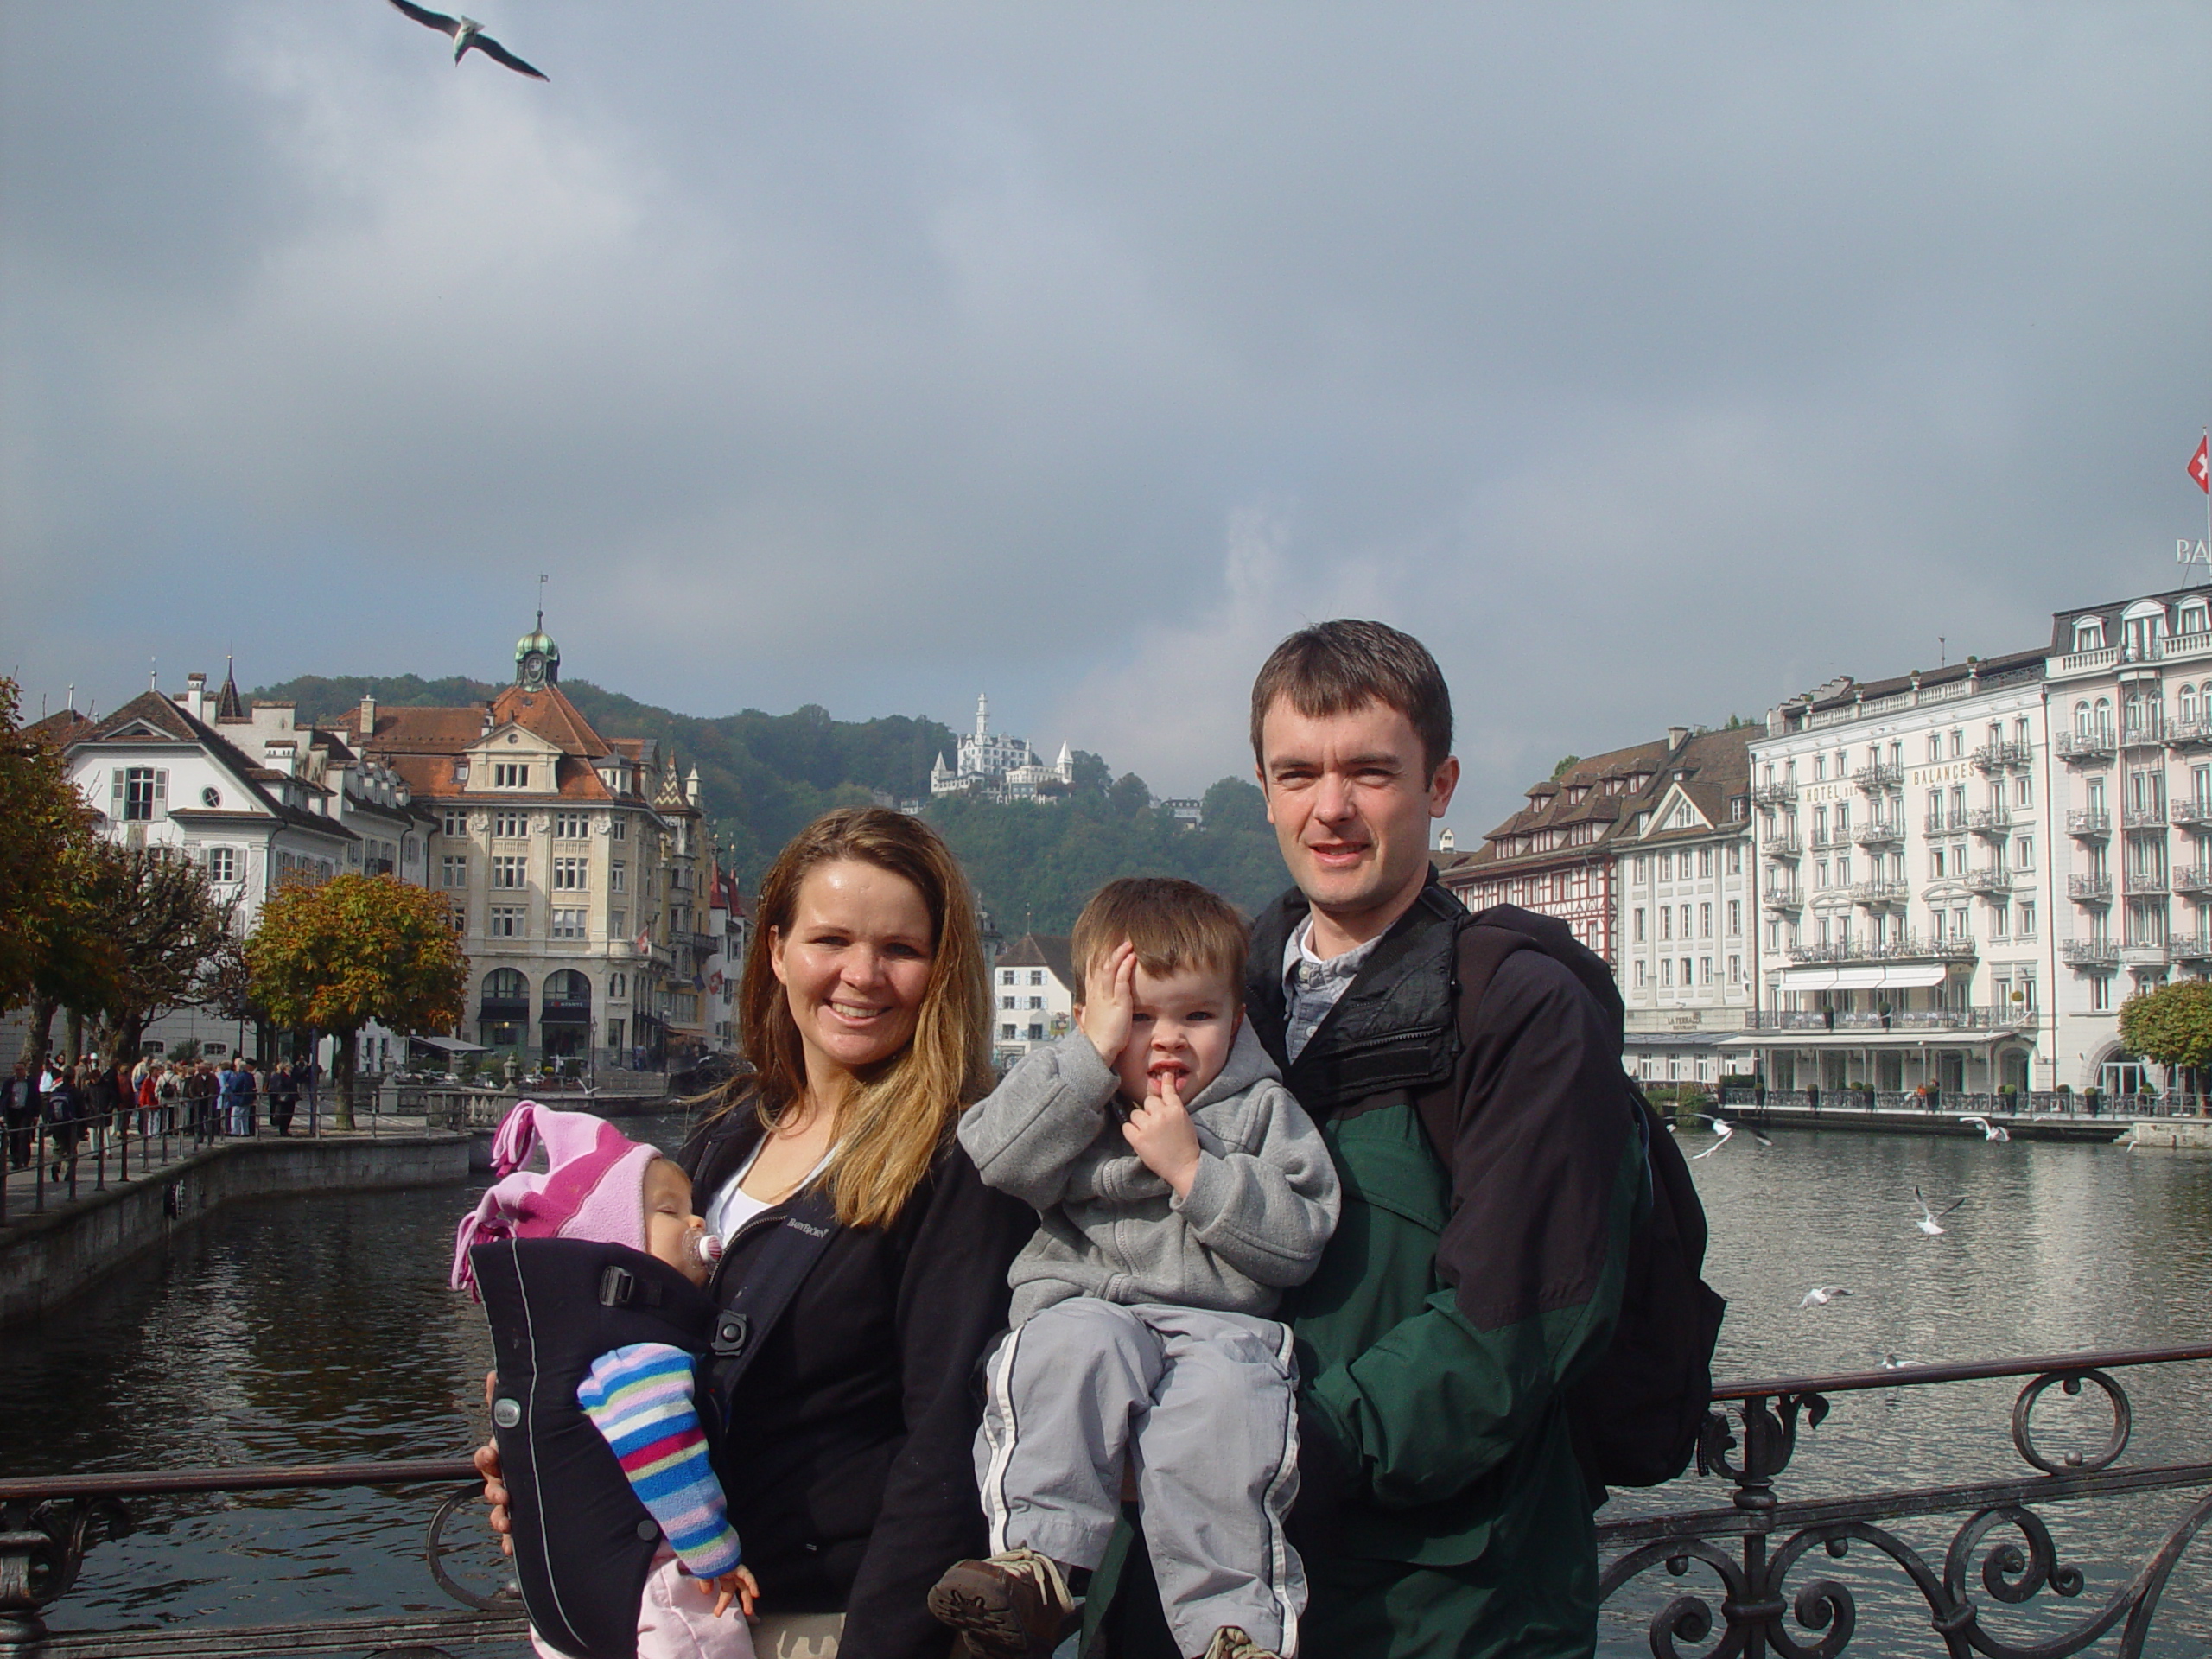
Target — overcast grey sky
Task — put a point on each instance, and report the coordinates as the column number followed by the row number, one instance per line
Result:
column 1650, row 362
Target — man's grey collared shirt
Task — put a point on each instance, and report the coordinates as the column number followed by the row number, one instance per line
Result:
column 1311, row 984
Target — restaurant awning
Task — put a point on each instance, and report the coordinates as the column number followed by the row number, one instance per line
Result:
column 450, row 1045
column 1889, row 976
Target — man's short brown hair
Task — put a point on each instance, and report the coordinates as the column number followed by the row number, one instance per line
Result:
column 1174, row 923
column 1333, row 668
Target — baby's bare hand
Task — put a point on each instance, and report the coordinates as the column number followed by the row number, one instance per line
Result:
column 1109, row 1002
column 1161, row 1134
column 737, row 1585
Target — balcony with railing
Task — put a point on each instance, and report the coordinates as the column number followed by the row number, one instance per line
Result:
column 2190, row 947
column 1995, row 757
column 1878, row 894
column 1895, row 947
column 2089, row 953
column 2006, row 1018
column 1781, row 794
column 2146, row 882
column 2092, row 889
column 1821, row 840
column 1993, row 882
column 2088, row 822
column 2098, row 743
column 1880, row 832
column 2191, row 815
column 1782, row 844
column 2193, row 878
column 1778, row 901
column 2150, row 816
column 1990, row 820
column 2189, row 734
column 1879, row 775
column 2145, row 954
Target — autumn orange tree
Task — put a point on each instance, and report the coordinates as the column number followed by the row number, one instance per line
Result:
column 53, row 953
column 337, row 955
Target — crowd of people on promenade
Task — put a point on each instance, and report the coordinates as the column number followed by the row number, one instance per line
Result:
column 70, row 1099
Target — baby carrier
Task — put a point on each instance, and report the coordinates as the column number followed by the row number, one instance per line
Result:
column 556, row 1305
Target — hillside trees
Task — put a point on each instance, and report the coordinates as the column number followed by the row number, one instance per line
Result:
column 358, row 948
column 1034, row 864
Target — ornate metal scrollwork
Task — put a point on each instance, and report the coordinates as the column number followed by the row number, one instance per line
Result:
column 436, row 1549
column 2070, row 1382
column 42, row 1546
column 2002, row 1555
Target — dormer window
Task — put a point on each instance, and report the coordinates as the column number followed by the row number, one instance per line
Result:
column 510, row 774
column 2196, row 617
column 2090, row 633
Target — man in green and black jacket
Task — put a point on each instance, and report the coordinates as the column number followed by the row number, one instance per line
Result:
column 1442, row 1514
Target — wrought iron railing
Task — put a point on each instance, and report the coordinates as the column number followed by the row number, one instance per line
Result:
column 48, row 1523
column 1762, row 1548
column 1754, row 1548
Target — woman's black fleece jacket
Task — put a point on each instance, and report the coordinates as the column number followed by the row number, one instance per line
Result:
column 849, row 1458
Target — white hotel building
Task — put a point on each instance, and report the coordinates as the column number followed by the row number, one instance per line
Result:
column 1964, row 872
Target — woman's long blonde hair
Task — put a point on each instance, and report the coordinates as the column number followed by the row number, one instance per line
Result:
column 891, row 1127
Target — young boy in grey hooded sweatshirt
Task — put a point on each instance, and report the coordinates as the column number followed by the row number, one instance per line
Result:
column 1179, row 1190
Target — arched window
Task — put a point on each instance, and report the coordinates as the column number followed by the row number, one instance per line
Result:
column 2188, row 698
column 2104, row 716
column 2081, row 719
column 2090, row 633
column 506, row 985
column 568, row 987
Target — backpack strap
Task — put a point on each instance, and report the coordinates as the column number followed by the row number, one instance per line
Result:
column 1478, row 952
column 771, row 1280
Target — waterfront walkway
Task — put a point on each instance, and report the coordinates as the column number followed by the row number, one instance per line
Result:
column 106, row 1159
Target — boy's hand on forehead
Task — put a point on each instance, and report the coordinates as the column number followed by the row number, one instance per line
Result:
column 1109, row 1002
column 1158, row 1131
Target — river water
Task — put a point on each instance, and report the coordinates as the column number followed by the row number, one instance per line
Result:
column 321, row 1329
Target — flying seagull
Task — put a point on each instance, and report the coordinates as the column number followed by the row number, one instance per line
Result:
column 1928, row 1224
column 1822, row 1295
column 1989, row 1131
column 466, row 32
column 1724, row 1129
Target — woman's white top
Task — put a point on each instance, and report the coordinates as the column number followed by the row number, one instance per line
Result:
column 732, row 1207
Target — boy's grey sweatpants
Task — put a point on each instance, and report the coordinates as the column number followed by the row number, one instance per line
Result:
column 1203, row 1405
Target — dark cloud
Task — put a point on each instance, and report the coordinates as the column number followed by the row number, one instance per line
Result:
column 1651, row 362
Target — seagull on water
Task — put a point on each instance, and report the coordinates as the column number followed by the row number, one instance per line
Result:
column 1989, row 1131
column 1928, row 1224
column 1891, row 1362
column 468, row 33
column 1822, row 1295
column 1723, row 1129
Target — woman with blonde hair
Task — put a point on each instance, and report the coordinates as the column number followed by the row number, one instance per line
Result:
column 847, row 1455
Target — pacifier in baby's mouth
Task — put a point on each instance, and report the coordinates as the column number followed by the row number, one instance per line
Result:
column 710, row 1247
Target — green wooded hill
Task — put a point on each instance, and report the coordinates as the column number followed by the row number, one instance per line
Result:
column 763, row 776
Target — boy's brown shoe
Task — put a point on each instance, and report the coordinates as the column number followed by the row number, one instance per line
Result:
column 1229, row 1642
column 1014, row 1605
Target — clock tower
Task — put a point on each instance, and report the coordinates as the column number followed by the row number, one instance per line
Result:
column 537, row 659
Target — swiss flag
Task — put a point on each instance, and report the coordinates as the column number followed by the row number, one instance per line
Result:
column 2200, row 465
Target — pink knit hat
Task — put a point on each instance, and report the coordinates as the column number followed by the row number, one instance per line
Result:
column 593, row 1187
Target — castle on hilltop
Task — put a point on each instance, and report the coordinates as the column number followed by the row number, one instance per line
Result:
column 1001, row 767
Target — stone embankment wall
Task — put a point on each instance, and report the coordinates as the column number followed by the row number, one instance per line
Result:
column 2173, row 1133
column 46, row 1259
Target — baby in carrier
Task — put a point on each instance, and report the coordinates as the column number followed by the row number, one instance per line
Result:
column 593, row 1275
